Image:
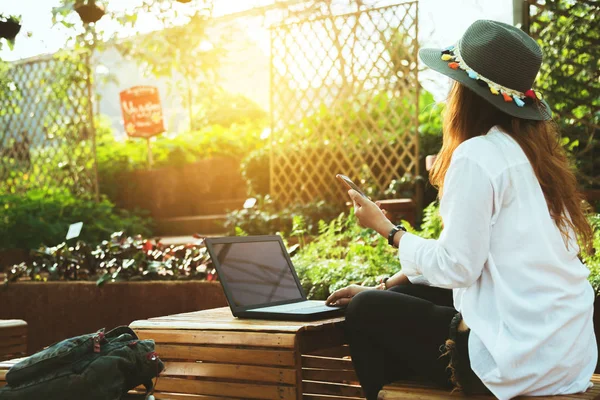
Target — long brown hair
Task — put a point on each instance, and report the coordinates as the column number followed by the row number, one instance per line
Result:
column 467, row 115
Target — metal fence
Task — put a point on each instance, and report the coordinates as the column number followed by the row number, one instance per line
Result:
column 46, row 135
column 344, row 99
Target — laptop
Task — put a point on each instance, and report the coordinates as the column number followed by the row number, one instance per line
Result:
column 260, row 281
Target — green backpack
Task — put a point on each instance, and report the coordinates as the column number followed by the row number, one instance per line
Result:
column 96, row 366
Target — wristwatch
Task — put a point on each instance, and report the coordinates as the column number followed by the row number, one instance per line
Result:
column 382, row 283
column 393, row 232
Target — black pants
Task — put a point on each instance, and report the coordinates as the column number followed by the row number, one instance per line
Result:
column 396, row 334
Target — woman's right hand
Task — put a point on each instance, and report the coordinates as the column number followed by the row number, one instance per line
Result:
column 343, row 296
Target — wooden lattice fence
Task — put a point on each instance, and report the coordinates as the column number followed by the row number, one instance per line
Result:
column 344, row 99
column 46, row 136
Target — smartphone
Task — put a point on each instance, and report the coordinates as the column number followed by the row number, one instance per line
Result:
column 351, row 184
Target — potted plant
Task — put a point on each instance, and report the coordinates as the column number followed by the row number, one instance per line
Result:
column 9, row 27
column 89, row 11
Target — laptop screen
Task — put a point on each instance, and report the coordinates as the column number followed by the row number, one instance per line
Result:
column 256, row 273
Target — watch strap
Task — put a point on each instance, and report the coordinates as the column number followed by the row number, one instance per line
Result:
column 393, row 232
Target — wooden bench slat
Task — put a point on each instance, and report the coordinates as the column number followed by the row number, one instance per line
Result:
column 326, row 363
column 230, row 389
column 11, row 341
column 222, row 319
column 12, row 323
column 215, row 326
column 231, row 371
column 5, row 365
column 328, row 397
column 13, row 350
column 219, row 338
column 410, row 395
column 329, row 375
column 334, row 352
column 225, row 355
column 183, row 396
column 311, row 341
column 423, row 391
column 19, row 331
column 336, row 389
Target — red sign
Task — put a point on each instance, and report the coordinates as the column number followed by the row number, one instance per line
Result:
column 142, row 112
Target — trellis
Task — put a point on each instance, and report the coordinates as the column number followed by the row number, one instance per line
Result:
column 344, row 99
column 46, row 135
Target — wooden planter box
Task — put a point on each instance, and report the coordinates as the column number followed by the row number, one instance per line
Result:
column 58, row 310
column 10, row 257
column 192, row 189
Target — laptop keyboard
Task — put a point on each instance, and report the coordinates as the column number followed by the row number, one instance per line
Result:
column 302, row 305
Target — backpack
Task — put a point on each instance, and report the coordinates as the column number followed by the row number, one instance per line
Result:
column 95, row 366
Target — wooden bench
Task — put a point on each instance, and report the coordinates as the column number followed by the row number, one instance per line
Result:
column 411, row 390
column 4, row 367
column 210, row 353
column 13, row 338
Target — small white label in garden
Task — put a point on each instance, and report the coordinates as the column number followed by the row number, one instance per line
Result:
column 250, row 202
column 74, row 230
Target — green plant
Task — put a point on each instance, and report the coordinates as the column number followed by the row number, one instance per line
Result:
column 593, row 260
column 265, row 218
column 256, row 171
column 117, row 157
column 43, row 217
column 432, row 225
column 219, row 107
column 567, row 32
column 400, row 188
column 121, row 258
column 343, row 253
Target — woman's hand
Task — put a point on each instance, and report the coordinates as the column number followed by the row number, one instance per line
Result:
column 369, row 214
column 343, row 296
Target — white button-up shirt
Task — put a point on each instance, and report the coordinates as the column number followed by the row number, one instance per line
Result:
column 523, row 292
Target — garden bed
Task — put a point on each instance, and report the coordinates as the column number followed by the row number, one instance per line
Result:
column 192, row 189
column 57, row 310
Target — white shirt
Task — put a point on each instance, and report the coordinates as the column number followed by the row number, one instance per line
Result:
column 523, row 293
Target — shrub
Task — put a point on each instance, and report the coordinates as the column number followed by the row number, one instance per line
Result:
column 115, row 157
column 343, row 253
column 43, row 217
column 567, row 32
column 121, row 258
column 256, row 171
column 265, row 218
column 593, row 260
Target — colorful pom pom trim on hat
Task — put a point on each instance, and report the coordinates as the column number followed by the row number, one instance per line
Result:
column 452, row 54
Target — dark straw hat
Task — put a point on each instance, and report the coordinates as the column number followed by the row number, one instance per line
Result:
column 499, row 63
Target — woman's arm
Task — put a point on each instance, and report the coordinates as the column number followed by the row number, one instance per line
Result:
column 457, row 258
column 399, row 278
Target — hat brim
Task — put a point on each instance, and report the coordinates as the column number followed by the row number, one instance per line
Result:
column 539, row 111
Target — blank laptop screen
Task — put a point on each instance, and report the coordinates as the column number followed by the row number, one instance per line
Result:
column 256, row 273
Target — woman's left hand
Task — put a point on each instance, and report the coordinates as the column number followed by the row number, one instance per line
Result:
column 343, row 296
column 369, row 214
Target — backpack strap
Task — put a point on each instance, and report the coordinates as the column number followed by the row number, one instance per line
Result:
column 120, row 330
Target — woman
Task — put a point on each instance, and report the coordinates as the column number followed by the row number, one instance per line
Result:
column 519, row 316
